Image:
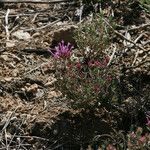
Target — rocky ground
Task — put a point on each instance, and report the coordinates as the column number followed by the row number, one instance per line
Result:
column 33, row 115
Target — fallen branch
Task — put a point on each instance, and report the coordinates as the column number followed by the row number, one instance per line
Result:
column 32, row 1
column 139, row 27
column 122, row 36
column 42, row 27
column 31, row 137
column 25, row 14
column 140, row 64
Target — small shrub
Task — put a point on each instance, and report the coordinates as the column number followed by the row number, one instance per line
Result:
column 134, row 140
column 83, row 75
column 92, row 39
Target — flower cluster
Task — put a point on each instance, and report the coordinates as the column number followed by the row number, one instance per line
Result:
column 91, row 64
column 83, row 81
column 138, row 140
column 134, row 140
column 100, row 64
column 62, row 50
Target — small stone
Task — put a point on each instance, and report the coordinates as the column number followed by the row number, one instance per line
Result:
column 28, row 84
column 15, row 72
column 10, row 43
column 8, row 79
column 33, row 88
column 4, row 57
column 23, row 89
column 21, row 35
column 141, row 51
column 137, row 70
column 53, row 94
column 68, row 31
column 39, row 93
column 50, row 83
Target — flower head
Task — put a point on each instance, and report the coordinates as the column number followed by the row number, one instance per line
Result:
column 110, row 147
column 105, row 61
column 62, row 50
column 142, row 139
column 78, row 65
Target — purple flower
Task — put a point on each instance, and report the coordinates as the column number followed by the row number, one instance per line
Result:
column 62, row 50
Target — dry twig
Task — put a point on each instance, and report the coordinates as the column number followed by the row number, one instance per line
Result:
column 42, row 27
column 140, row 27
column 31, row 137
column 122, row 36
column 6, row 24
column 112, row 56
column 32, row 1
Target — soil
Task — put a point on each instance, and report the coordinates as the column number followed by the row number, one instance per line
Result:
column 33, row 114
